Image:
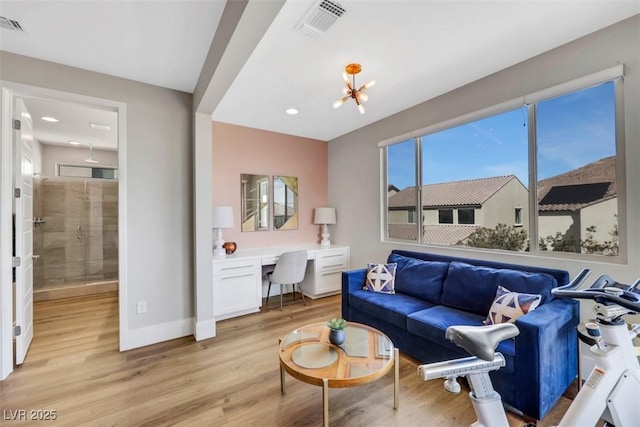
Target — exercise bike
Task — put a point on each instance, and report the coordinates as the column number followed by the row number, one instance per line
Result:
column 610, row 392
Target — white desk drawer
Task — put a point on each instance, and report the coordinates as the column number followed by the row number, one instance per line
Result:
column 236, row 268
column 329, row 281
column 332, row 260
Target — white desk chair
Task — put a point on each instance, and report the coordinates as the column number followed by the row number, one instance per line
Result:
column 289, row 270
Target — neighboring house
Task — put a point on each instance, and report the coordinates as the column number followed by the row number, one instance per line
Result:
column 392, row 189
column 571, row 202
column 451, row 211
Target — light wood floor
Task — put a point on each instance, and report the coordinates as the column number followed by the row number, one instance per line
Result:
column 74, row 368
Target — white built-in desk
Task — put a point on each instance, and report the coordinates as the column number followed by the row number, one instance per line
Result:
column 237, row 278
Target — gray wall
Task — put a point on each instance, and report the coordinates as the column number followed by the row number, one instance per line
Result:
column 158, row 183
column 354, row 185
column 52, row 154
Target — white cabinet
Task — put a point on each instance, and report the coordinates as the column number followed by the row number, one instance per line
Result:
column 236, row 287
column 324, row 275
column 237, row 278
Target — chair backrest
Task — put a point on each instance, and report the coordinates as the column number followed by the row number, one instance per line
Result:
column 290, row 268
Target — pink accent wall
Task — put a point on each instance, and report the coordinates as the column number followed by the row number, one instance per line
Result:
column 238, row 150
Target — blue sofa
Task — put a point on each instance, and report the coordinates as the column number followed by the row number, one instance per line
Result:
column 434, row 292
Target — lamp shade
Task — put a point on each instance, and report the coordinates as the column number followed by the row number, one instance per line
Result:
column 324, row 216
column 222, row 217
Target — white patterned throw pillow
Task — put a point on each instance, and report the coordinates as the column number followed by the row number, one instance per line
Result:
column 381, row 278
column 509, row 306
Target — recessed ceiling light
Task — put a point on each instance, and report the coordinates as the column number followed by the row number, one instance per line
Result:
column 292, row 111
column 74, row 143
column 49, row 119
column 99, row 126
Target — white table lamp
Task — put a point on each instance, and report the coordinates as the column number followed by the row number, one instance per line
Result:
column 325, row 216
column 221, row 217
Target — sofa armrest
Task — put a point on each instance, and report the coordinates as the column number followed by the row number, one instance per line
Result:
column 547, row 353
column 351, row 280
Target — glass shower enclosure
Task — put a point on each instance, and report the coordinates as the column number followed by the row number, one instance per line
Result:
column 75, row 234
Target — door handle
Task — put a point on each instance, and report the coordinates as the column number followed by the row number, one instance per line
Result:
column 79, row 232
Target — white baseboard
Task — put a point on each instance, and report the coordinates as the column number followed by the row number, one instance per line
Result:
column 157, row 333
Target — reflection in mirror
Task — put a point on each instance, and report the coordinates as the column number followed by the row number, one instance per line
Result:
column 285, row 203
column 255, row 202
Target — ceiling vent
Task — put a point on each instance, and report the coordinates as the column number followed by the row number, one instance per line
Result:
column 10, row 24
column 320, row 18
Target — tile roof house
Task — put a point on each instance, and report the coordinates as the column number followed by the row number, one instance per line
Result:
column 574, row 190
column 451, row 211
column 585, row 197
column 437, row 234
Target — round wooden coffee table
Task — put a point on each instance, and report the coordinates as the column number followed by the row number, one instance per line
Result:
column 366, row 355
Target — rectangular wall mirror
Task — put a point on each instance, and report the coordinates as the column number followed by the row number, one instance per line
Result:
column 255, row 202
column 285, row 203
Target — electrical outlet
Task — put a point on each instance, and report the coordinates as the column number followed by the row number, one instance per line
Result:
column 141, row 307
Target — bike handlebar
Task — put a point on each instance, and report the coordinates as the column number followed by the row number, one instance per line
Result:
column 602, row 290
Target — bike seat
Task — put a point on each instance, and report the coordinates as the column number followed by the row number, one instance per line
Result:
column 481, row 341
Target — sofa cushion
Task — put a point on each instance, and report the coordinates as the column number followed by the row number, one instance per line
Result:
column 380, row 278
column 432, row 323
column 418, row 278
column 391, row 308
column 510, row 306
column 473, row 288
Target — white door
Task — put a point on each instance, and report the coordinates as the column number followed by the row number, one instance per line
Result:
column 24, row 230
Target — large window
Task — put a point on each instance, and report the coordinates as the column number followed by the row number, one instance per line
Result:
column 486, row 163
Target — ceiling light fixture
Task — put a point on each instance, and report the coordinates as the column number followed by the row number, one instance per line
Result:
column 91, row 159
column 291, row 111
column 50, row 119
column 74, row 143
column 99, row 126
column 350, row 90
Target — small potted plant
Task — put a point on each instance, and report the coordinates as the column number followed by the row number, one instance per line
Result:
column 336, row 335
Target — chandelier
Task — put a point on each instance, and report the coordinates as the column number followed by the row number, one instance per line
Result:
column 350, row 90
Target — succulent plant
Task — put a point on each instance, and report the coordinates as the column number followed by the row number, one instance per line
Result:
column 336, row 324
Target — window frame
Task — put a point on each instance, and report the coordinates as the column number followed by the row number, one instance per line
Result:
column 473, row 215
column 518, row 216
column 448, row 212
column 614, row 74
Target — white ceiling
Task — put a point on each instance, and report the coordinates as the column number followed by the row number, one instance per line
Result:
column 414, row 49
column 74, row 124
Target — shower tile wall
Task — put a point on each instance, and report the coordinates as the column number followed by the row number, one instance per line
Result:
column 72, row 255
column 101, row 254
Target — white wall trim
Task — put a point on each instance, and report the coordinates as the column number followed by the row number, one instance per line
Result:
column 205, row 324
column 123, row 283
column 576, row 84
column 205, row 329
column 154, row 334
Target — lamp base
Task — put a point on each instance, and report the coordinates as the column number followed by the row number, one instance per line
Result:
column 218, row 250
column 325, row 236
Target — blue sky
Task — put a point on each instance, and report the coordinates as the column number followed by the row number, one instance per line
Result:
column 573, row 130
